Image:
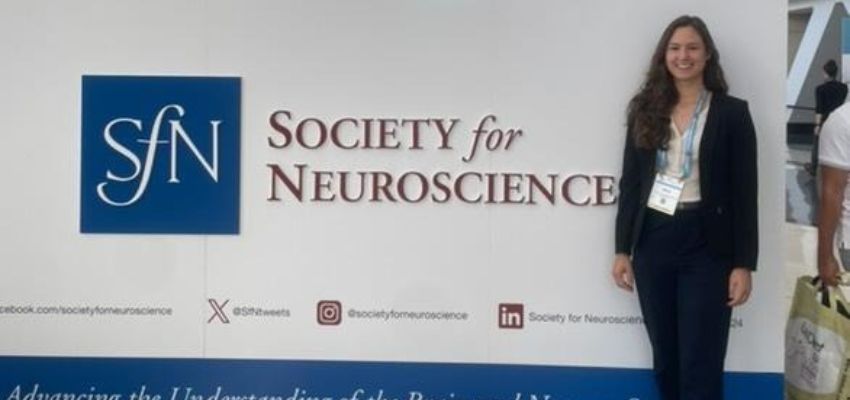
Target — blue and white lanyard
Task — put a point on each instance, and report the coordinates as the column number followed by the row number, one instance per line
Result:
column 688, row 139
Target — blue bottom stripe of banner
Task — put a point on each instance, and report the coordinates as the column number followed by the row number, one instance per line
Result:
column 72, row 378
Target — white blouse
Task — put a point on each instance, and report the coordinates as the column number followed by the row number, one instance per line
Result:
column 675, row 168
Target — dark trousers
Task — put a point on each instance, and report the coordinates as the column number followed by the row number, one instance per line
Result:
column 683, row 292
column 815, row 147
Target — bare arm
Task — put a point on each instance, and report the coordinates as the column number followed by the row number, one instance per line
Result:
column 829, row 214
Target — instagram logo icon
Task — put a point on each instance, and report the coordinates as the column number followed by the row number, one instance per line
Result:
column 329, row 312
column 511, row 316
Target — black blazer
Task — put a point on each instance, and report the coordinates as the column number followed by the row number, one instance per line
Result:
column 728, row 180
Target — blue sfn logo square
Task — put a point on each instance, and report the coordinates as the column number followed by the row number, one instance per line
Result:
column 160, row 155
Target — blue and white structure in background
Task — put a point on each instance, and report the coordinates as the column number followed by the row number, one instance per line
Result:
column 845, row 48
column 816, row 34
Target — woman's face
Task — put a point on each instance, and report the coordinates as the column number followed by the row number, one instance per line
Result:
column 686, row 55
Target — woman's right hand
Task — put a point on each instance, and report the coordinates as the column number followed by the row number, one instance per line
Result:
column 622, row 272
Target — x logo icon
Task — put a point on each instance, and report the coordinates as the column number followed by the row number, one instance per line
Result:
column 218, row 311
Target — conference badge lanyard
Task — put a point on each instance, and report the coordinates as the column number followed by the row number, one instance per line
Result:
column 667, row 189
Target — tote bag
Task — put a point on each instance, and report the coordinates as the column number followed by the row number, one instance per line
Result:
column 817, row 343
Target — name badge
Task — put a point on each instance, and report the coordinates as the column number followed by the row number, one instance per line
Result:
column 665, row 193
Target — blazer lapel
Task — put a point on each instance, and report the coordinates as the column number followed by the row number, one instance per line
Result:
column 707, row 143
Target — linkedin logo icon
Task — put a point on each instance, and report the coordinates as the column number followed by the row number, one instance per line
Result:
column 511, row 316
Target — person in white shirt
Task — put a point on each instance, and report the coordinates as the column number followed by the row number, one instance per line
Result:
column 834, row 209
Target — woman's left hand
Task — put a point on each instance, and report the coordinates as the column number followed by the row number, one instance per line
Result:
column 740, row 285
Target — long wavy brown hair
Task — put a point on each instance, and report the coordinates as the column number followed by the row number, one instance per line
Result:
column 649, row 111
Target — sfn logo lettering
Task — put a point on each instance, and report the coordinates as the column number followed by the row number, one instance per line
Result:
column 160, row 155
column 511, row 316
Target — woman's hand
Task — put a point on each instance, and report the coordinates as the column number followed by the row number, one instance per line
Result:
column 622, row 272
column 740, row 285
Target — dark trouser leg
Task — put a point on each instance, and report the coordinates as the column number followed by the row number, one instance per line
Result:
column 655, row 276
column 703, row 318
column 683, row 292
column 815, row 141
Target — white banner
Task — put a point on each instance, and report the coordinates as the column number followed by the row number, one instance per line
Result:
column 483, row 138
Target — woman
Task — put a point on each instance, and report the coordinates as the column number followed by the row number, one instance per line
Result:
column 686, row 231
